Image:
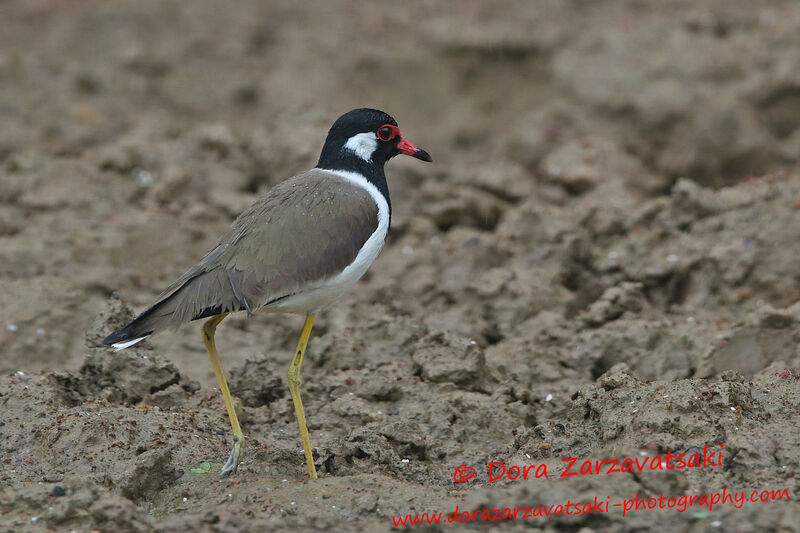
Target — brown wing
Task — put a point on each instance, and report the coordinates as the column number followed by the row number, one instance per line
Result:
column 307, row 228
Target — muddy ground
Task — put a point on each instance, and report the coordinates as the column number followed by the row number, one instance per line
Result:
column 601, row 263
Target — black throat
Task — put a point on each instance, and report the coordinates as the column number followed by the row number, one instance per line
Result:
column 343, row 159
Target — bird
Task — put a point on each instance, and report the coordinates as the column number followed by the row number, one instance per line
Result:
column 297, row 249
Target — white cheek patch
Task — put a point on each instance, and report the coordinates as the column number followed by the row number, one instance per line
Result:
column 363, row 145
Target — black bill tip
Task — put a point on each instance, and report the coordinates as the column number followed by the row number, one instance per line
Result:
column 422, row 155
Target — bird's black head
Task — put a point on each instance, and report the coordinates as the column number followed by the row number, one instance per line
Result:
column 365, row 139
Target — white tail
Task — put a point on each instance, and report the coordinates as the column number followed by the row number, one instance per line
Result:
column 127, row 344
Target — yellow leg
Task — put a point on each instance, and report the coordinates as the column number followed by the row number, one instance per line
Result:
column 237, row 454
column 294, row 388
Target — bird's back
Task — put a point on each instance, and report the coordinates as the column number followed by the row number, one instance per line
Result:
column 303, row 231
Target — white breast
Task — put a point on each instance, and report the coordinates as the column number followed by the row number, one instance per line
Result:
column 324, row 293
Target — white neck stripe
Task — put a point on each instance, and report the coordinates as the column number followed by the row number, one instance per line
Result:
column 374, row 244
column 359, row 179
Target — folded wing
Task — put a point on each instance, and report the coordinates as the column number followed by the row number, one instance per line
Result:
column 304, row 230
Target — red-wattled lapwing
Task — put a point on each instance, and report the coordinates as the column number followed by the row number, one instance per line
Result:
column 297, row 249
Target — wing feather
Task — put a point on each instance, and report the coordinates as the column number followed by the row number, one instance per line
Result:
column 306, row 229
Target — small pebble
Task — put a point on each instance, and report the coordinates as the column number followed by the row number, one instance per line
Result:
column 12, row 328
column 404, row 460
column 58, row 491
column 143, row 178
column 554, row 170
column 548, row 398
column 40, row 331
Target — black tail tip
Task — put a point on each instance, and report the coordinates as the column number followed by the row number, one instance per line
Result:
column 118, row 336
column 122, row 335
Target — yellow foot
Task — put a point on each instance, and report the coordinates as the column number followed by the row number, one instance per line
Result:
column 237, row 454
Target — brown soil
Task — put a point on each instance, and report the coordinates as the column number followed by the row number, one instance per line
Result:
column 601, row 263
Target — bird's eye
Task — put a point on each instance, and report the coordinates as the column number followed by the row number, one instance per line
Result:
column 387, row 132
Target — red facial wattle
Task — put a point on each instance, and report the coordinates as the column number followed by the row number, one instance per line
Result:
column 389, row 132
